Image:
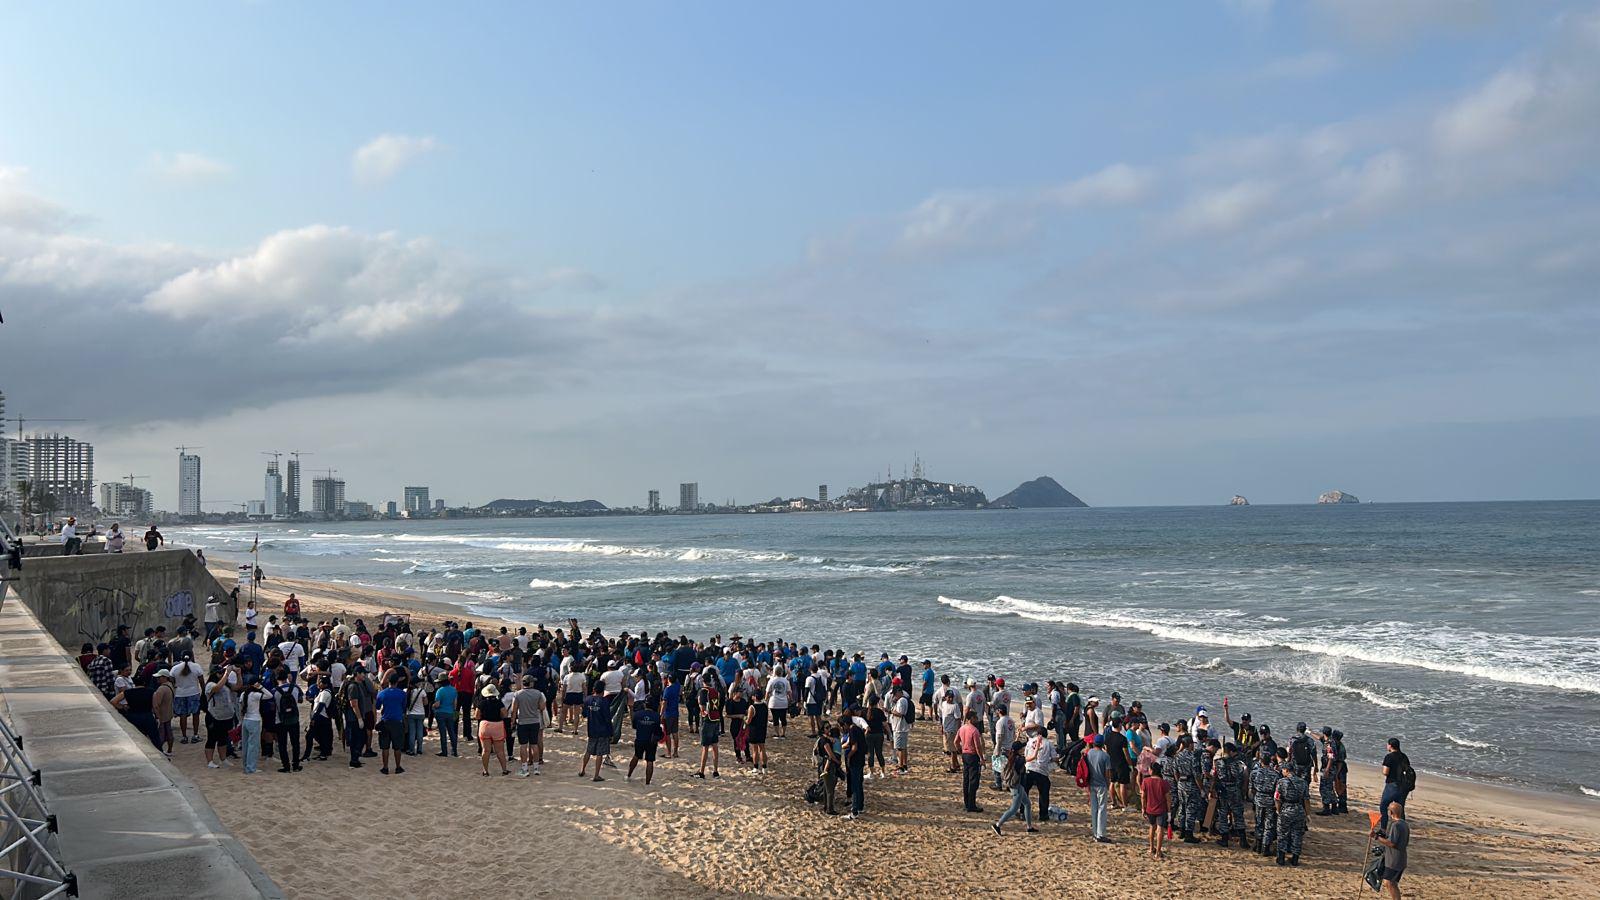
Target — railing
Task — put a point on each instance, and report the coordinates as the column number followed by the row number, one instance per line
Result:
column 28, row 858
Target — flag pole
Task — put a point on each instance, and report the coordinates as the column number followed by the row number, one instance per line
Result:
column 1366, row 856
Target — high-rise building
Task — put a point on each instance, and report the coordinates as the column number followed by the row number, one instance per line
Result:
column 327, row 496
column 291, row 488
column 64, row 468
column 438, row 505
column 689, row 496
column 822, row 493
column 392, row 510
column 356, row 509
column 188, row 484
column 273, row 501
column 654, row 503
column 416, row 501
column 125, row 500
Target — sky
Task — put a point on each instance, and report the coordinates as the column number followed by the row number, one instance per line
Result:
column 1162, row 254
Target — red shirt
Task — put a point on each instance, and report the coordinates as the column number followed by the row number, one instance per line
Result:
column 1155, row 796
column 969, row 739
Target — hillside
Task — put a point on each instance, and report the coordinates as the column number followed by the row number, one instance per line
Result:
column 1041, row 493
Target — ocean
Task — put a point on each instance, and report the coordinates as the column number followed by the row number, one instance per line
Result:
column 1467, row 629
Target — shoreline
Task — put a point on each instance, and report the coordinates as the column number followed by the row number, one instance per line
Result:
column 429, row 608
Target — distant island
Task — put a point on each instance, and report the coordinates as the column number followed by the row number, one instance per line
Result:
column 1043, row 492
column 505, row 507
column 1337, row 497
column 1238, row 500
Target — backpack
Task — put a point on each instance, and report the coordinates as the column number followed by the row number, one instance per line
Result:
column 1407, row 778
column 1301, row 748
column 1081, row 776
column 1008, row 775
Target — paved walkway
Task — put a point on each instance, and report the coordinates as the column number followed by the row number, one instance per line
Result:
column 131, row 826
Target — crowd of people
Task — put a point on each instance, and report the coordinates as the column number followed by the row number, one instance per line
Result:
column 290, row 689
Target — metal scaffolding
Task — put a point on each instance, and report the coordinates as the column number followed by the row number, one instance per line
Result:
column 28, row 857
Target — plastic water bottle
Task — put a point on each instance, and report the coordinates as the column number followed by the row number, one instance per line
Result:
column 1057, row 813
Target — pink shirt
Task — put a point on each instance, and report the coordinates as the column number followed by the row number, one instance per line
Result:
column 969, row 739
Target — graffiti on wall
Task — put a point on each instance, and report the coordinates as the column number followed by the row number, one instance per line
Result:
column 179, row 605
column 102, row 609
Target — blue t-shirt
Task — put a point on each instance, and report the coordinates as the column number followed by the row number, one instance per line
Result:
column 392, row 704
column 927, row 680
column 858, row 671
column 444, row 700
column 597, row 709
column 728, row 667
column 669, row 701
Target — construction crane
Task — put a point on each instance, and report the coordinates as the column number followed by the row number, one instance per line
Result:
column 185, row 450
column 131, row 477
column 275, row 454
column 20, row 419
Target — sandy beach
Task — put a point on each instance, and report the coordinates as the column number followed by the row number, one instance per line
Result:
column 332, row 830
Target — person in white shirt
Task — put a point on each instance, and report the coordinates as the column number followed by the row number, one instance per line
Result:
column 1041, row 757
column 294, row 656
column 901, row 715
column 186, row 683
column 213, row 618
column 1032, row 714
column 336, row 675
column 778, row 701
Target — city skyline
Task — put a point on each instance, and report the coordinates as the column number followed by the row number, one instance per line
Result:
column 1253, row 248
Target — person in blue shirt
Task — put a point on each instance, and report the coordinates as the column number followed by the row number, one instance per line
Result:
column 444, row 712
column 728, row 668
column 928, row 681
column 392, row 722
column 671, row 694
column 252, row 651
column 858, row 681
column 597, row 710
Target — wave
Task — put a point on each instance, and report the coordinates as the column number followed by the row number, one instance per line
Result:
column 1325, row 674
column 1273, row 619
column 1589, row 790
column 1476, row 745
column 1393, row 644
column 661, row 580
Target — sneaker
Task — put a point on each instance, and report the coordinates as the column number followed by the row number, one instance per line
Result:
column 996, row 830
column 867, row 777
column 212, row 765
column 383, row 771
column 399, row 769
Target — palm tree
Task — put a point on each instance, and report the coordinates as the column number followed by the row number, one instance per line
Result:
column 48, row 504
column 25, row 495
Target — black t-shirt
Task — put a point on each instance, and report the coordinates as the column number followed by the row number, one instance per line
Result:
column 1395, row 761
column 737, row 707
column 1117, row 746
column 138, row 699
column 490, row 709
column 876, row 720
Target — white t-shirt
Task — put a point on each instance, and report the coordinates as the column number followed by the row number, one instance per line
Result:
column 901, row 722
column 1033, row 716
column 213, row 611
column 1040, row 755
column 293, row 655
column 574, row 682
column 252, row 706
column 612, row 679
column 778, row 693
column 250, row 615
column 186, row 679
column 336, row 675
column 418, row 696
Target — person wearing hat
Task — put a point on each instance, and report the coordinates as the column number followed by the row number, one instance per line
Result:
column 1091, row 716
column 1292, row 799
column 1187, row 764
column 161, row 706
column 1228, row 776
column 1031, row 713
column 1098, row 762
column 1244, row 733
column 492, row 729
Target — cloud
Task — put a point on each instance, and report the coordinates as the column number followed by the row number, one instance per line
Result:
column 1312, row 64
column 1225, row 208
column 188, row 168
column 1489, row 116
column 955, row 219
column 382, row 158
column 24, row 210
column 1392, row 21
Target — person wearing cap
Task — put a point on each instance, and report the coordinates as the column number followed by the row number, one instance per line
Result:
column 1327, row 793
column 1228, row 776
column 1098, row 762
column 1291, row 800
column 1122, row 760
column 350, row 698
column 901, row 716
column 999, row 702
column 976, row 703
column 1091, row 716
column 1263, row 781
column 1244, row 733
column 1303, row 753
column 528, row 712
column 1031, row 713
column 161, row 706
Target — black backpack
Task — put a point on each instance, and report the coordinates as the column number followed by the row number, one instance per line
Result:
column 1407, row 778
column 1301, row 748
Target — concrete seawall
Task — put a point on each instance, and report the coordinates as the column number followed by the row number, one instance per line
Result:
column 131, row 825
column 82, row 599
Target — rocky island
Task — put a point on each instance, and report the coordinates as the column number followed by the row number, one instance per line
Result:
column 1041, row 493
column 1337, row 497
column 1238, row 500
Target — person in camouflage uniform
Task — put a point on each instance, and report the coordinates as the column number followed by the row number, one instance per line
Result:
column 1191, row 802
column 1228, row 775
column 1291, row 796
column 1263, row 782
column 1342, row 773
column 1328, row 767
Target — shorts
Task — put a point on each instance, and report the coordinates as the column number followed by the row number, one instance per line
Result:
column 572, row 698
column 813, row 709
column 185, row 706
column 492, row 732
column 391, row 734
column 710, row 733
column 598, row 746
column 1159, row 820
column 902, row 740
column 949, row 742
column 780, row 715
column 670, row 725
column 927, row 698
column 528, row 733
column 1120, row 775
column 645, row 750
column 1392, row 875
